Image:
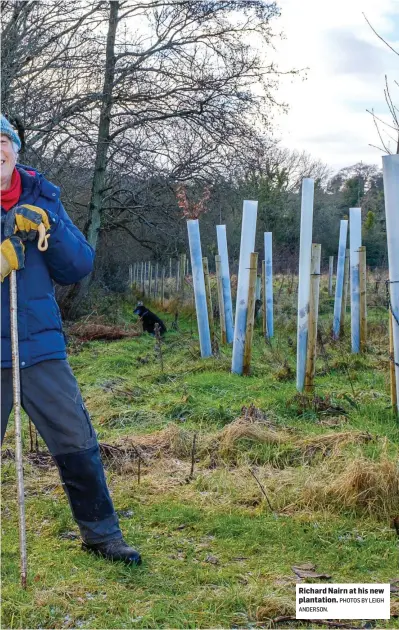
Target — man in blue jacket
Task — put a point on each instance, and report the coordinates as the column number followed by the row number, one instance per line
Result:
column 49, row 392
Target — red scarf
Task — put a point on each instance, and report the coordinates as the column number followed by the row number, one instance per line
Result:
column 10, row 197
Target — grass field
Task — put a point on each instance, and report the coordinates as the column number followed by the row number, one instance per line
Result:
column 278, row 480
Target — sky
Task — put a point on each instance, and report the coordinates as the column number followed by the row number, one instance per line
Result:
column 346, row 65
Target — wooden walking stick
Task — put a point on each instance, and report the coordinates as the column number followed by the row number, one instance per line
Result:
column 16, row 386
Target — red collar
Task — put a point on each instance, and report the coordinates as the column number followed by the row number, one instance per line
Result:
column 10, row 197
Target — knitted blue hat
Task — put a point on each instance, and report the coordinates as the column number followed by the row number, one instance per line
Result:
column 7, row 130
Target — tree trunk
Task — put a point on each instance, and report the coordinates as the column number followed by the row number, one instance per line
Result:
column 93, row 222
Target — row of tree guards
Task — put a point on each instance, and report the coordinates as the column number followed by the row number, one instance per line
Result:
column 350, row 279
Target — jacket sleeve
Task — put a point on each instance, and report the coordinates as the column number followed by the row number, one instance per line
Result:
column 69, row 256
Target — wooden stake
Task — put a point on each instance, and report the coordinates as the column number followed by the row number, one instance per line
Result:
column 182, row 276
column 313, row 317
column 177, row 276
column 130, row 276
column 346, row 291
column 363, row 297
column 149, row 279
column 145, row 279
column 394, row 396
column 330, row 275
column 263, row 298
column 222, row 315
column 142, row 277
column 156, row 280
column 250, row 313
column 163, row 287
column 30, row 435
column 209, row 300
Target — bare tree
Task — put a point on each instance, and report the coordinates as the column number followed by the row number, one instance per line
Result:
column 382, row 126
column 188, row 70
column 130, row 97
column 47, row 51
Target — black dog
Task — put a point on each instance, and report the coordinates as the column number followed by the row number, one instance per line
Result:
column 149, row 319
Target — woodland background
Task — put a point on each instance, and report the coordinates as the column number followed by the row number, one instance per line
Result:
column 121, row 102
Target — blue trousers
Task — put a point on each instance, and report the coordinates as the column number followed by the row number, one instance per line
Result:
column 51, row 397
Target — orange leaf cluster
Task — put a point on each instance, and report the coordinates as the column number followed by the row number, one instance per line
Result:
column 192, row 209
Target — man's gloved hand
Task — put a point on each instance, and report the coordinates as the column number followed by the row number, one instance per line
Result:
column 11, row 256
column 27, row 221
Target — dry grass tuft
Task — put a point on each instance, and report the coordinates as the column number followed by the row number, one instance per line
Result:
column 335, row 485
column 330, row 443
column 319, row 474
column 275, row 606
column 339, row 484
column 172, row 440
column 394, row 608
column 372, row 486
column 246, row 429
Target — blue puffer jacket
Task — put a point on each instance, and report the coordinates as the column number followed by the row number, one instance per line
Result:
column 69, row 258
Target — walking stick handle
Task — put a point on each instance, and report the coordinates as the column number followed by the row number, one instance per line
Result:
column 42, row 244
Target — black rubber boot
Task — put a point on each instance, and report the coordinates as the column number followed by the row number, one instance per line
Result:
column 115, row 550
column 83, row 480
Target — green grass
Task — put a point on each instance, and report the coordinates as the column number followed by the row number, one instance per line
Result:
column 214, row 554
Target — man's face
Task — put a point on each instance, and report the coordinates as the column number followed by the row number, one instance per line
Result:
column 8, row 159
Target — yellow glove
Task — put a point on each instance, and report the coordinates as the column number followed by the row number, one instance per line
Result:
column 28, row 218
column 11, row 256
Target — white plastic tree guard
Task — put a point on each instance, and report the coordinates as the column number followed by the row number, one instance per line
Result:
column 339, row 286
column 268, row 289
column 194, row 240
column 355, row 241
column 226, row 284
column 247, row 246
column 390, row 165
column 305, row 254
